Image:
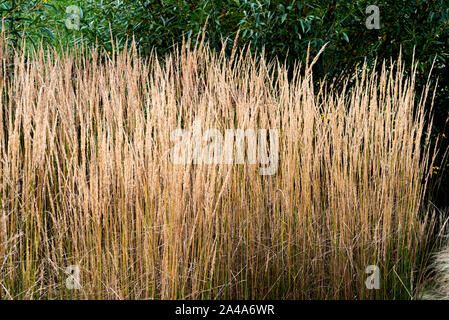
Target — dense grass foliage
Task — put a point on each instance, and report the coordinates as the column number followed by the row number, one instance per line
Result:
column 86, row 179
column 282, row 28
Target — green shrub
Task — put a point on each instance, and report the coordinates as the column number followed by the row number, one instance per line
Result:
column 30, row 20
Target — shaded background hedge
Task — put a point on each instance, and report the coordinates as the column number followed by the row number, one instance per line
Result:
column 285, row 28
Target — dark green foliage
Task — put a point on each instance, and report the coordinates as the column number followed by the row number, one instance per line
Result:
column 29, row 20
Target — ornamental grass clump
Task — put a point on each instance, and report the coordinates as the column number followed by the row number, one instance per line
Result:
column 87, row 182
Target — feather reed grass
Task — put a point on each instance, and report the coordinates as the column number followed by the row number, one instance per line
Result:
column 86, row 179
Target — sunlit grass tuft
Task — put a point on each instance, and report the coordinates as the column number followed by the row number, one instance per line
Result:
column 86, row 179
